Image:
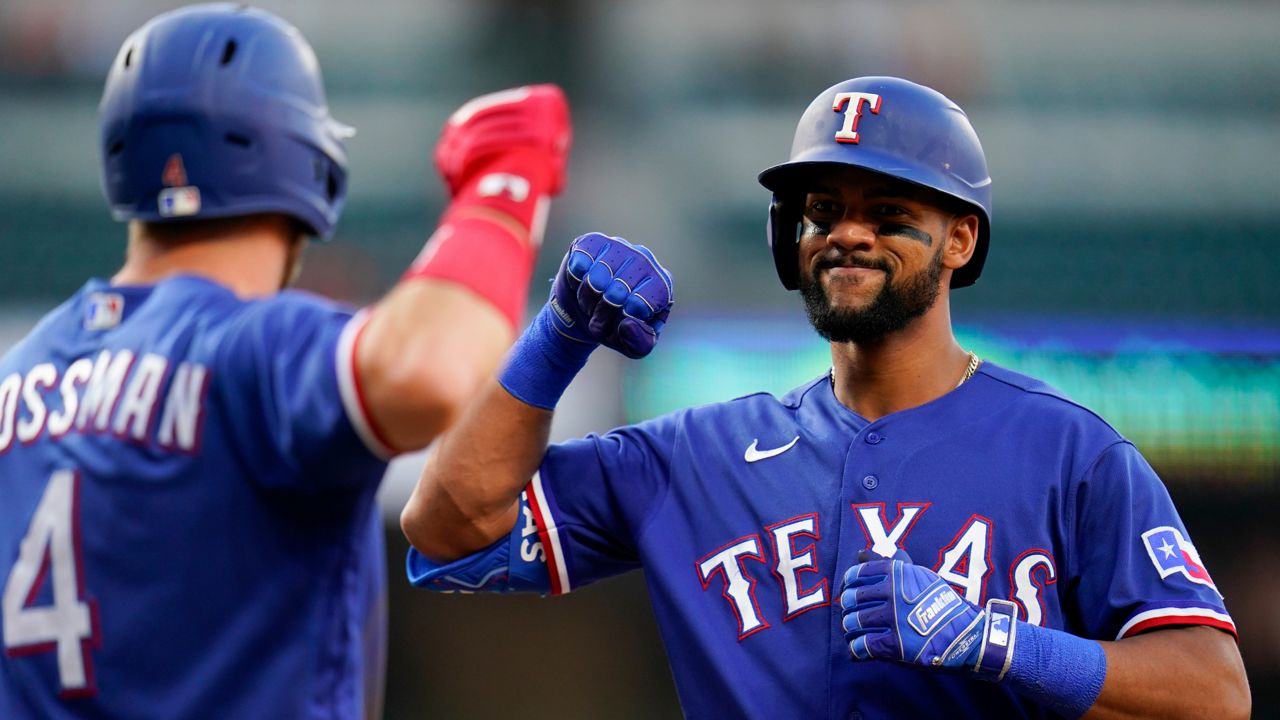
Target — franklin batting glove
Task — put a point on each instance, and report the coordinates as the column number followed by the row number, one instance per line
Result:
column 893, row 610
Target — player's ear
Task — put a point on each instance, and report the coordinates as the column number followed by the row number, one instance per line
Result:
column 962, row 240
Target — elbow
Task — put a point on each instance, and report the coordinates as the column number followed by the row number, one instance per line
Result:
column 1237, row 701
column 413, row 525
column 436, row 524
column 443, row 530
column 423, row 531
column 1230, row 693
column 1236, row 705
column 437, row 389
column 432, row 383
column 416, row 401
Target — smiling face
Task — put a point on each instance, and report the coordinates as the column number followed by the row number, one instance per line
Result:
column 875, row 252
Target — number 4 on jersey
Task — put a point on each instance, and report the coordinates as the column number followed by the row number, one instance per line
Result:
column 51, row 549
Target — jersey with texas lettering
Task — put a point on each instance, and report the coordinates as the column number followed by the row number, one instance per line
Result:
column 188, row 526
column 745, row 515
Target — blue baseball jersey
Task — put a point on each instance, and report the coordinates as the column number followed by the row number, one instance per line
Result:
column 188, row 527
column 745, row 515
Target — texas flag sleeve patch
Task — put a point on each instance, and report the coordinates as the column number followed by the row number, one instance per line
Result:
column 1173, row 554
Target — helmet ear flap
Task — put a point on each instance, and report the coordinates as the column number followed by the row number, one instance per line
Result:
column 784, row 233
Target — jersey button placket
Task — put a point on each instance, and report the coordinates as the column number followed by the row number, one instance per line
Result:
column 870, row 481
column 863, row 464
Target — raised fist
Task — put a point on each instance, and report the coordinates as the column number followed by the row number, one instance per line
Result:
column 523, row 134
column 612, row 293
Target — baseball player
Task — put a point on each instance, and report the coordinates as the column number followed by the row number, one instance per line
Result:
column 189, row 453
column 1039, row 568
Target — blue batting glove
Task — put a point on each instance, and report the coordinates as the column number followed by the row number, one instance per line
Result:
column 893, row 610
column 612, row 293
column 607, row 292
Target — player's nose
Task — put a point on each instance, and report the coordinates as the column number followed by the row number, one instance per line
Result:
column 852, row 233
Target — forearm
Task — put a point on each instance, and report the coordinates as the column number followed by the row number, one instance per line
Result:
column 1193, row 672
column 430, row 344
column 468, row 494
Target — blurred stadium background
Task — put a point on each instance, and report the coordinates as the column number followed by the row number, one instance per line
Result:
column 1134, row 148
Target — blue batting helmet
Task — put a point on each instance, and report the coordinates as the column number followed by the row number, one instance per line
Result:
column 218, row 110
column 889, row 126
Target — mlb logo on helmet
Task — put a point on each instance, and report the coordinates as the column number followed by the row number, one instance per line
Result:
column 177, row 199
column 1171, row 553
column 103, row 311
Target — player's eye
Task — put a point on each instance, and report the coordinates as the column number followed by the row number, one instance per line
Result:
column 890, row 210
column 821, row 207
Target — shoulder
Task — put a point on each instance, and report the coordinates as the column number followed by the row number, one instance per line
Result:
column 1023, row 383
column 756, row 408
column 1029, row 419
column 756, row 403
column 1037, row 404
column 810, row 392
column 71, row 312
column 53, row 322
column 288, row 317
column 192, row 299
column 293, row 333
column 294, row 305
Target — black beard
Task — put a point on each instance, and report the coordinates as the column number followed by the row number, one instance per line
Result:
column 891, row 310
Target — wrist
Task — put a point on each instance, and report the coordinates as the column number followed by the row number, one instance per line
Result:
column 543, row 362
column 482, row 254
column 1059, row 670
column 999, row 633
column 517, row 183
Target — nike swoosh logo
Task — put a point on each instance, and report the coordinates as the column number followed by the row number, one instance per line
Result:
column 752, row 454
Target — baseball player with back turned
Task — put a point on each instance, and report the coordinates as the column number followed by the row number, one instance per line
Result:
column 189, row 453
column 916, row 533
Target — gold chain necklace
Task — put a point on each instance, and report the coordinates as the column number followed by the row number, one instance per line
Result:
column 971, row 368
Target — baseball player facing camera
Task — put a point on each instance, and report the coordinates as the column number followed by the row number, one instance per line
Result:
column 189, row 453
column 1052, row 576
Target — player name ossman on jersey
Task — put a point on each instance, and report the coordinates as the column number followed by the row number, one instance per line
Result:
column 116, row 392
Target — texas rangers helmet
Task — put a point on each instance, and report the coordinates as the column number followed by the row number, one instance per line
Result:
column 890, row 126
column 218, row 110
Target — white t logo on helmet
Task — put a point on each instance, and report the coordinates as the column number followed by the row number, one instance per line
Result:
column 848, row 133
